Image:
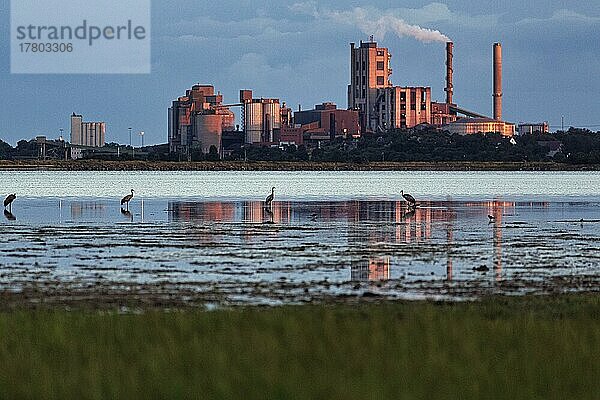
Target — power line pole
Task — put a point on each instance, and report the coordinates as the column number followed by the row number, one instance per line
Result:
column 131, row 144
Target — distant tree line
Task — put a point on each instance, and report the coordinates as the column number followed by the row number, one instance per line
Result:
column 24, row 149
column 575, row 146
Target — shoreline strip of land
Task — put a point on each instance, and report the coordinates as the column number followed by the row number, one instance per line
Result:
column 97, row 165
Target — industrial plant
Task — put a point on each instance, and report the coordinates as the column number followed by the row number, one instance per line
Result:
column 200, row 119
column 90, row 134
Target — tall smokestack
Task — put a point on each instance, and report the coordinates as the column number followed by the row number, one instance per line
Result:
column 497, row 81
column 449, row 72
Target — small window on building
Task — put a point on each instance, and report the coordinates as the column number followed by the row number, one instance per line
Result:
column 403, row 96
column 380, row 53
column 403, row 107
column 383, row 107
column 413, row 107
column 364, row 65
column 380, row 66
column 380, row 80
column 423, row 106
column 357, row 65
column 364, row 93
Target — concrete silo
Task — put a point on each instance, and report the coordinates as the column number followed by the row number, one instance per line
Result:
column 209, row 129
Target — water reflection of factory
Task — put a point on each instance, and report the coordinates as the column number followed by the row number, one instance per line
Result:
column 81, row 209
column 241, row 211
column 369, row 226
column 373, row 224
column 373, row 270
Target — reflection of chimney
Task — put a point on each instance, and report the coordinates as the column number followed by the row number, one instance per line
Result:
column 497, row 81
column 449, row 72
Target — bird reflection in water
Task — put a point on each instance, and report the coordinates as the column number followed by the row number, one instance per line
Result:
column 127, row 214
column 269, row 216
column 409, row 213
column 9, row 216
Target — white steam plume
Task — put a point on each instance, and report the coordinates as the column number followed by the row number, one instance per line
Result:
column 389, row 23
column 380, row 25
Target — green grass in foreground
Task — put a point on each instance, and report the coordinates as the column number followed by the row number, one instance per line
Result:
column 525, row 348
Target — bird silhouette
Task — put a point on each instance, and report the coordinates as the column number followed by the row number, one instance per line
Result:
column 9, row 200
column 125, row 200
column 270, row 198
column 409, row 199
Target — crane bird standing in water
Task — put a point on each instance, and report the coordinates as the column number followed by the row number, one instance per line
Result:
column 127, row 199
column 269, row 199
column 409, row 199
column 9, row 200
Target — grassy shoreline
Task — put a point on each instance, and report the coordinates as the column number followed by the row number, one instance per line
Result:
column 496, row 348
column 96, row 165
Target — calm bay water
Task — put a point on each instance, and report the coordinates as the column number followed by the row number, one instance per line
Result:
column 327, row 234
column 304, row 185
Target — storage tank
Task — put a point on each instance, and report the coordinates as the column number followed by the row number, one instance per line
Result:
column 272, row 119
column 261, row 118
column 228, row 119
column 209, row 129
column 253, row 122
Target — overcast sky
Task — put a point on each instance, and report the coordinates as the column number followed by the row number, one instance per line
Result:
column 299, row 51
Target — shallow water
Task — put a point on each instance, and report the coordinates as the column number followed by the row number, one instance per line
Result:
column 327, row 245
column 304, row 186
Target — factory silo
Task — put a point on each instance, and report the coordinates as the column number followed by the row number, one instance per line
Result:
column 261, row 118
column 209, row 129
column 271, row 118
column 253, row 122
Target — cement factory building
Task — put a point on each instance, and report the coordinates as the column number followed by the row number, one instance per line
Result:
column 261, row 118
column 89, row 134
column 382, row 106
column 198, row 119
column 268, row 123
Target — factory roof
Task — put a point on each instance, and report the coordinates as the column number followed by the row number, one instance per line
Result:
column 475, row 120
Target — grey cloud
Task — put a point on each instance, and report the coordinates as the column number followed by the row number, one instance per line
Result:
column 428, row 14
column 563, row 16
